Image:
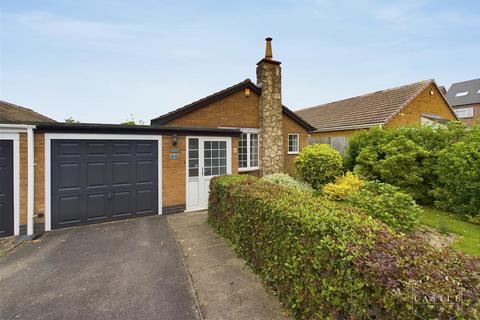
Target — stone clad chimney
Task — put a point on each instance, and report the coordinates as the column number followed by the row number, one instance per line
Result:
column 271, row 125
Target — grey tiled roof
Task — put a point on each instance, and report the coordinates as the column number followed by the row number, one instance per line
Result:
column 470, row 86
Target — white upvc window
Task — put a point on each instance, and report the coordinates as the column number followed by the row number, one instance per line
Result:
column 293, row 143
column 248, row 150
column 464, row 113
column 461, row 94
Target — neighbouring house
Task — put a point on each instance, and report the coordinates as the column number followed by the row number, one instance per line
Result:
column 58, row 175
column 409, row 105
column 464, row 97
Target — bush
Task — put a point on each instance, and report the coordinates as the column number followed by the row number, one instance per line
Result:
column 284, row 179
column 328, row 262
column 386, row 203
column 458, row 171
column 318, row 164
column 343, row 188
column 405, row 157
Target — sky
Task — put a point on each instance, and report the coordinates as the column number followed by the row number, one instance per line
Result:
column 106, row 60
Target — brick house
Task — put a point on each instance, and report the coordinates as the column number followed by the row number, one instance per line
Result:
column 409, row 105
column 464, row 97
column 58, row 175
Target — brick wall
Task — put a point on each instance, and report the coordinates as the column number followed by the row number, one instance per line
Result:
column 423, row 103
column 290, row 126
column 174, row 171
column 476, row 114
column 39, row 206
column 236, row 111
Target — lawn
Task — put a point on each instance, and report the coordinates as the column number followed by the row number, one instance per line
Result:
column 469, row 240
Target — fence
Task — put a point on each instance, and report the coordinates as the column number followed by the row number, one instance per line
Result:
column 338, row 143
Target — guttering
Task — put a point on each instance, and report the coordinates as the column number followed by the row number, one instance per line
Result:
column 360, row 126
column 8, row 127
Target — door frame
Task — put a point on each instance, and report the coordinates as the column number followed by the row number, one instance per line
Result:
column 92, row 136
column 15, row 137
column 200, row 140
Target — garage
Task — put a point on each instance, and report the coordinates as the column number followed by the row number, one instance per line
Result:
column 6, row 188
column 99, row 180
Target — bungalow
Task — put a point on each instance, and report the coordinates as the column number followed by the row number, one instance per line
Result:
column 58, row 175
column 409, row 105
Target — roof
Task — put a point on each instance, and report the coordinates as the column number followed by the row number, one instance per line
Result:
column 163, row 119
column 12, row 113
column 128, row 129
column 472, row 96
column 364, row 111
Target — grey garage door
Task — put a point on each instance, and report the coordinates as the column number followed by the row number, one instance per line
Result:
column 101, row 180
column 6, row 188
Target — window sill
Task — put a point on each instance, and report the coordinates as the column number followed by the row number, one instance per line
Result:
column 248, row 169
column 294, row 152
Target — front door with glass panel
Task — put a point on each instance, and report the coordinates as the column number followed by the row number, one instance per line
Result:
column 206, row 158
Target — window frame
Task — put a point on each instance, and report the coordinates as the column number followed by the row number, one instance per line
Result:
column 468, row 110
column 298, row 143
column 248, row 132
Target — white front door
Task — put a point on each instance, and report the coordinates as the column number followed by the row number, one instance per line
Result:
column 207, row 157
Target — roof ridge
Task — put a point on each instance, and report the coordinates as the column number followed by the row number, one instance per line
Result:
column 246, row 81
column 368, row 94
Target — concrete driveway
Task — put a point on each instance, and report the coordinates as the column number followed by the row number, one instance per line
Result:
column 130, row 269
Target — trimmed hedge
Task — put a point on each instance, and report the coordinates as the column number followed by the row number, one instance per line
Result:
column 319, row 164
column 328, row 262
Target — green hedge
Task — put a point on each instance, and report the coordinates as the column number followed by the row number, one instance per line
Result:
column 319, row 164
column 327, row 262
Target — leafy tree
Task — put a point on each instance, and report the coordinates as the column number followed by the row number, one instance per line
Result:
column 71, row 120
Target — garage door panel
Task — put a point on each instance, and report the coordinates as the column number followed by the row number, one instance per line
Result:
column 146, row 172
column 145, row 201
column 121, row 148
column 70, row 209
column 6, row 188
column 69, row 149
column 146, row 148
column 97, row 174
column 107, row 179
column 121, row 202
column 71, row 176
column 121, row 173
column 97, row 206
column 97, row 149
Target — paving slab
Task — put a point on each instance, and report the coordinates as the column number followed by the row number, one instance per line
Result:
column 226, row 288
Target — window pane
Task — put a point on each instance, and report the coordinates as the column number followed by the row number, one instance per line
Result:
column 292, row 143
column 193, row 158
column 242, row 151
column 193, row 143
column 253, row 150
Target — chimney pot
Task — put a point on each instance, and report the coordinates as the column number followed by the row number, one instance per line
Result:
column 268, row 49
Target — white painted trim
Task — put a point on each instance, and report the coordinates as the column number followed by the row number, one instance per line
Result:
column 288, row 143
column 90, row 136
column 204, row 138
column 15, row 137
column 30, row 180
column 18, row 127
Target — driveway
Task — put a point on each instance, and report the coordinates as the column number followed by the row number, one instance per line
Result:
column 130, row 269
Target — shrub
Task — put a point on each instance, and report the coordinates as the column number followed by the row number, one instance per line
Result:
column 343, row 188
column 328, row 262
column 284, row 179
column 458, row 171
column 318, row 164
column 386, row 203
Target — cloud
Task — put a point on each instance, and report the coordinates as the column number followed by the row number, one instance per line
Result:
column 52, row 25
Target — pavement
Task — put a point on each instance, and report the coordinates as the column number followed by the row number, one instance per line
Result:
column 226, row 289
column 130, row 269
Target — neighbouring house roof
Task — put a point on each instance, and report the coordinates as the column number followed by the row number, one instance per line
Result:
column 12, row 113
column 464, row 93
column 364, row 111
column 164, row 119
column 136, row 129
